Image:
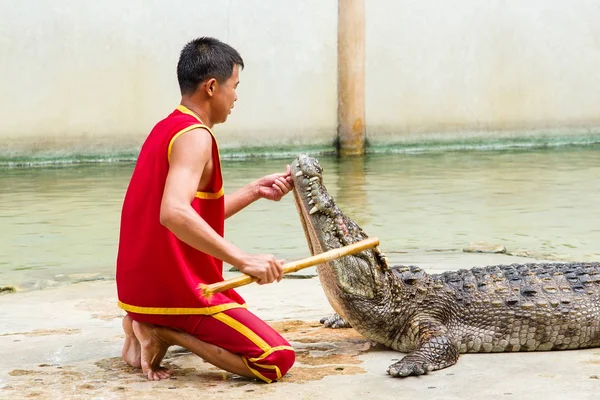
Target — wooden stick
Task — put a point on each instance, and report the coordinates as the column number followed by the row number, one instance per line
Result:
column 208, row 290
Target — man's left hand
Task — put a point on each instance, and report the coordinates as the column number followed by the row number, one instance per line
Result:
column 275, row 186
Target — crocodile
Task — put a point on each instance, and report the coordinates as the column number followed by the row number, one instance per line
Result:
column 435, row 317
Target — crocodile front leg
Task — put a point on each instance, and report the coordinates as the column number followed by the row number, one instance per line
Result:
column 437, row 350
column 335, row 321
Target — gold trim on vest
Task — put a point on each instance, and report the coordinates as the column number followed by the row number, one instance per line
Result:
column 180, row 311
column 210, row 196
column 185, row 110
column 181, row 132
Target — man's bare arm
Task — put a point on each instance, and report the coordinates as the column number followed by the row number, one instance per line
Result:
column 272, row 187
column 240, row 199
column 190, row 155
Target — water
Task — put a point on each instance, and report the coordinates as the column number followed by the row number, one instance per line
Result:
column 60, row 225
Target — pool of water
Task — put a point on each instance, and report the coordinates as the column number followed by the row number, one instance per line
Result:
column 60, row 224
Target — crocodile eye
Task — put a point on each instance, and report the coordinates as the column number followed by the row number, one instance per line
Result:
column 318, row 166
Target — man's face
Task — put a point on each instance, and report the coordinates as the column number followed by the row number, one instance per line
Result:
column 225, row 96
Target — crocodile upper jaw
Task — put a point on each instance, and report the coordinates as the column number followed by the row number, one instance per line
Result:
column 326, row 227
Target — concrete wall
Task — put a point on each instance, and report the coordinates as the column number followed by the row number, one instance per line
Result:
column 87, row 74
column 476, row 66
column 104, row 72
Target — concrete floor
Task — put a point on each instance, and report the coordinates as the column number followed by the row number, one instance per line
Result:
column 74, row 328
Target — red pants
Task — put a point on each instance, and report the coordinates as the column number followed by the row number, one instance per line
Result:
column 268, row 355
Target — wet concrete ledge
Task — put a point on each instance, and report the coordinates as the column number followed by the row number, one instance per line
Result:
column 25, row 154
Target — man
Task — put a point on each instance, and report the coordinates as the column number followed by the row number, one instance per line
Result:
column 171, row 235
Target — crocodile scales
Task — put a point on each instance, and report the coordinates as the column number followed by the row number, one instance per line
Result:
column 434, row 318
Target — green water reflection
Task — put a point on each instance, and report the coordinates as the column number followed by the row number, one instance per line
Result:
column 60, row 225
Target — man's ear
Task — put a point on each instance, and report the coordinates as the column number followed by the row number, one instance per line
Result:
column 211, row 86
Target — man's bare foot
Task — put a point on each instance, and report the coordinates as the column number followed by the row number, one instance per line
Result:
column 131, row 348
column 153, row 348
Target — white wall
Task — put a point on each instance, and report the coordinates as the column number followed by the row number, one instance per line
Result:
column 86, row 74
column 479, row 65
column 106, row 70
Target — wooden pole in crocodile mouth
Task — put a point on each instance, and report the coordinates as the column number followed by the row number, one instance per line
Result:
column 208, row 290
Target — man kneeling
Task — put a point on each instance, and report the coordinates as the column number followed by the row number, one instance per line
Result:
column 171, row 236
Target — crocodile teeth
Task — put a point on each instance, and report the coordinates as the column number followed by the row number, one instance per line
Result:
column 314, row 179
column 313, row 210
column 311, row 202
column 299, row 173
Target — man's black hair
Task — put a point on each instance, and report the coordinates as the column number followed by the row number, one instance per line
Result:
column 205, row 58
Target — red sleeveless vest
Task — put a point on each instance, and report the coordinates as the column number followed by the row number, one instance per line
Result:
column 156, row 272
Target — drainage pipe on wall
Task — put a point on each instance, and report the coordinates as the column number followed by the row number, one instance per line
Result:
column 351, row 77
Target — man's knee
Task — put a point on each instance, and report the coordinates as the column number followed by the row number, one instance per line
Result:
column 284, row 360
column 275, row 365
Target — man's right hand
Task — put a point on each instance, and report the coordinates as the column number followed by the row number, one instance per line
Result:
column 265, row 267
